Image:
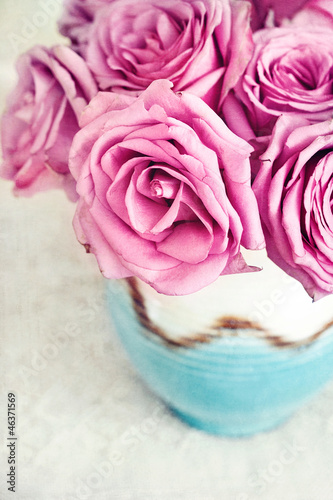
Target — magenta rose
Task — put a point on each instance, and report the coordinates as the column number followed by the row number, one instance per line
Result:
column 77, row 17
column 294, row 189
column 291, row 72
column 164, row 189
column 42, row 118
column 202, row 46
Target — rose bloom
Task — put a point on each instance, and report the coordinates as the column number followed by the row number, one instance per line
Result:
column 294, row 189
column 77, row 17
column 201, row 46
column 41, row 120
column 291, row 71
column 164, row 189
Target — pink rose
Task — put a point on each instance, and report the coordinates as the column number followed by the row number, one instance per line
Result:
column 164, row 189
column 201, row 46
column 291, row 71
column 42, row 118
column 294, row 189
column 77, row 18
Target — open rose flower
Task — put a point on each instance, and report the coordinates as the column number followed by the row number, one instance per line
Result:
column 164, row 189
column 41, row 119
column 201, row 46
column 291, row 71
column 294, row 189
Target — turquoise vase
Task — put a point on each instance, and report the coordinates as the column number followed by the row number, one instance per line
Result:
column 233, row 385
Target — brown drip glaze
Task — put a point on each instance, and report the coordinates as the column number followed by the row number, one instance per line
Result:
column 217, row 330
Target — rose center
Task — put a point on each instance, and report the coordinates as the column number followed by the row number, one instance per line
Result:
column 164, row 186
column 301, row 69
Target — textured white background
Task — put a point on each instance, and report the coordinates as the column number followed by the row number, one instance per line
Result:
column 87, row 427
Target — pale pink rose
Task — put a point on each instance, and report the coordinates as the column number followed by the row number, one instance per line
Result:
column 291, row 72
column 165, row 191
column 294, row 188
column 77, row 17
column 41, row 119
column 201, row 46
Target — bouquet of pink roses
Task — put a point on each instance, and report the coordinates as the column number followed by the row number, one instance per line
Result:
column 184, row 130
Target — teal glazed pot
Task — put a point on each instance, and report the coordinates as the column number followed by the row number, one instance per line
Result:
column 236, row 381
